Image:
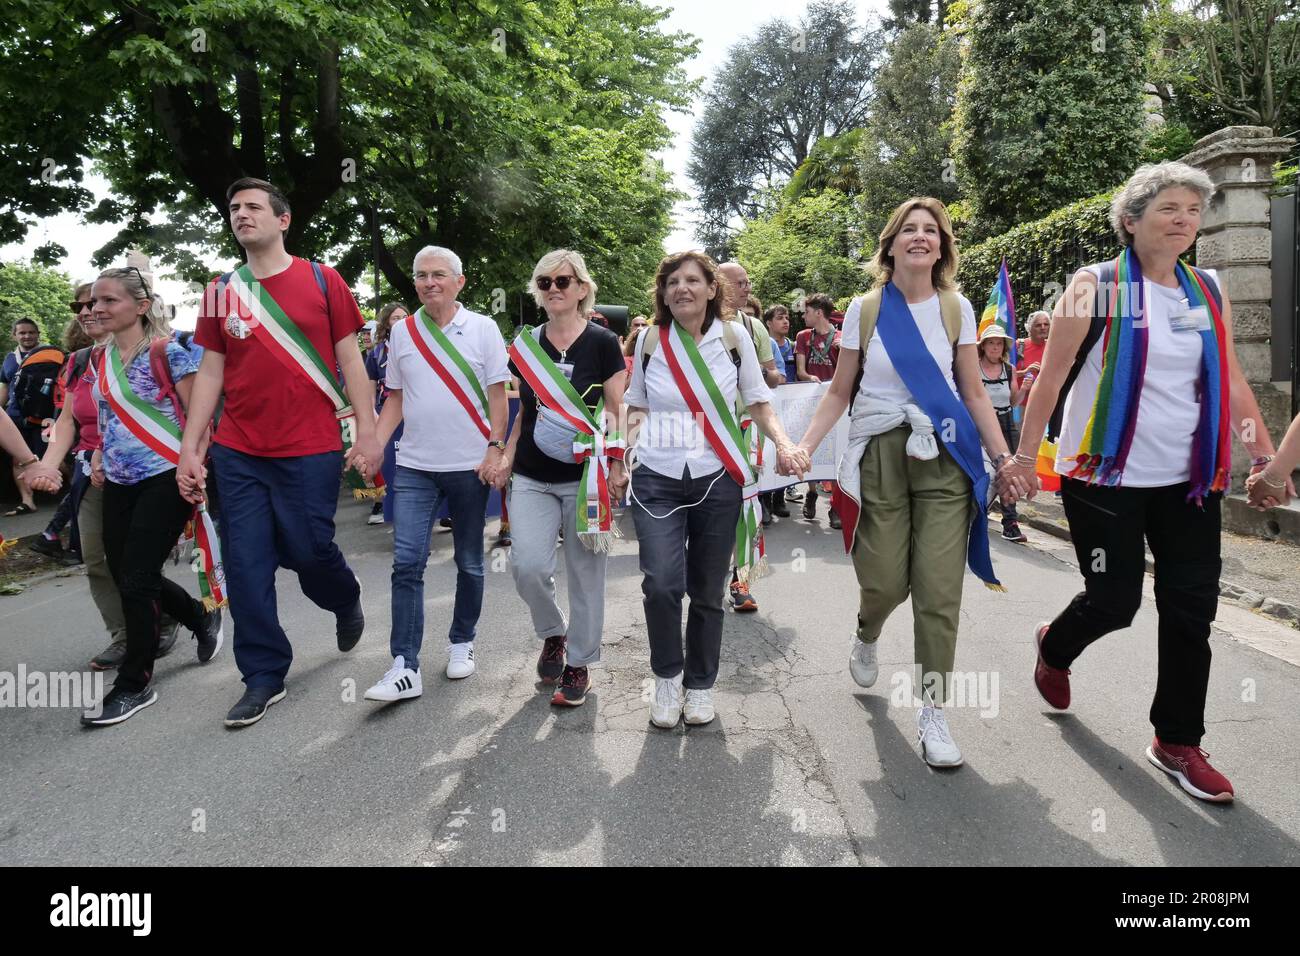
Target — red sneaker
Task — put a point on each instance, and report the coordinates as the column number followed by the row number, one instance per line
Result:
column 1053, row 683
column 741, row 599
column 1189, row 766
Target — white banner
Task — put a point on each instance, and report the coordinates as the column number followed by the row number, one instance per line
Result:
column 795, row 405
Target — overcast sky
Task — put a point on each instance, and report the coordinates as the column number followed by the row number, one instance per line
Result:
column 718, row 24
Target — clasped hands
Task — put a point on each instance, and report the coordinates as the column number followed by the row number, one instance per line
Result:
column 1013, row 481
column 1262, row 493
column 793, row 460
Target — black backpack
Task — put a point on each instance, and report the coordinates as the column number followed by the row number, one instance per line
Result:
column 34, row 385
column 1101, row 303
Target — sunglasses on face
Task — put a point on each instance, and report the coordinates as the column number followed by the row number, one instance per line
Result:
column 561, row 282
column 76, row 307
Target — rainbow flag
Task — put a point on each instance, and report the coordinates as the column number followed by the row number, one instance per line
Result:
column 1001, row 310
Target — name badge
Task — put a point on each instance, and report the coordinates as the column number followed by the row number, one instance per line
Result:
column 566, row 369
column 103, row 418
column 1191, row 320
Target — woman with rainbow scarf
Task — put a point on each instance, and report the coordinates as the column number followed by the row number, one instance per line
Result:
column 913, row 489
column 1146, row 341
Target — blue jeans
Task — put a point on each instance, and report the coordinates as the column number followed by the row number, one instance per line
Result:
column 278, row 513
column 686, row 529
column 419, row 495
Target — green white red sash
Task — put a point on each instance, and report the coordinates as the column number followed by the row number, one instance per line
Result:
column 450, row 366
column 723, row 429
column 591, row 446
column 288, row 343
column 163, row 436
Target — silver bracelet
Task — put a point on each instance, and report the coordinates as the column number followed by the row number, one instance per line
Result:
column 1264, row 478
column 1024, row 460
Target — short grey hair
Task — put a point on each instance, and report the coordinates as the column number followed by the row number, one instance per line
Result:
column 1043, row 312
column 439, row 252
column 562, row 257
column 1148, row 182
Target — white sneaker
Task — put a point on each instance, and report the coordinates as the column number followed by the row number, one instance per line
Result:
column 460, row 662
column 699, row 707
column 862, row 662
column 937, row 747
column 376, row 518
column 400, row 683
column 666, row 708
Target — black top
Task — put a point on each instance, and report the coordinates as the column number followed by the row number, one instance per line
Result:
column 594, row 357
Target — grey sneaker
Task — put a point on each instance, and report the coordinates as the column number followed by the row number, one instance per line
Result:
column 862, row 662
column 109, row 657
column 167, row 639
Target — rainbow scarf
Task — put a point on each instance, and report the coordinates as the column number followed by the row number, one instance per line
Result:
column 1108, row 437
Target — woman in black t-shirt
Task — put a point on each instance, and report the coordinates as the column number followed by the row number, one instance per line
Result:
column 545, row 481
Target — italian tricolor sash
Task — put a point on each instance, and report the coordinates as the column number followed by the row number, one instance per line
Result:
column 450, row 366
column 591, row 446
column 163, row 436
column 726, row 436
column 282, row 337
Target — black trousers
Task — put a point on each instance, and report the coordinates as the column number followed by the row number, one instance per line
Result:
column 141, row 525
column 1108, row 526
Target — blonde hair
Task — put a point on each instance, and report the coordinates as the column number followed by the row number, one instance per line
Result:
column 944, row 273
column 139, row 285
column 561, row 257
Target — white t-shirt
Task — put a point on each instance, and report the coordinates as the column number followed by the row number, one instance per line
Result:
column 1168, row 412
column 438, row 434
column 670, row 439
column 879, row 380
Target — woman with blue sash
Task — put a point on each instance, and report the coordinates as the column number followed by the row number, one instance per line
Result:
column 913, row 487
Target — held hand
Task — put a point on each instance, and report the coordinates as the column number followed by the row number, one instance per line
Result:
column 366, row 456
column 191, row 477
column 97, row 468
column 1018, row 479
column 42, row 477
column 792, row 460
column 618, row 481
column 488, row 467
column 1263, row 496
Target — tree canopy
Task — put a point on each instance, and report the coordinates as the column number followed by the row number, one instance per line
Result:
column 389, row 125
column 781, row 89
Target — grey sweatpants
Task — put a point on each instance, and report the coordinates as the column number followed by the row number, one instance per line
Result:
column 537, row 512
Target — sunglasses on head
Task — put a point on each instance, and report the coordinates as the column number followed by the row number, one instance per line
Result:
column 76, row 307
column 561, row 282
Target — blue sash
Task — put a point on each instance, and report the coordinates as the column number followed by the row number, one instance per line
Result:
column 915, row 365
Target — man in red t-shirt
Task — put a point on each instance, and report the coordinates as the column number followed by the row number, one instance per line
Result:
column 816, row 353
column 277, row 453
column 1029, row 352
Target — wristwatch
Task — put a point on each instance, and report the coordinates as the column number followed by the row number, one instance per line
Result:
column 498, row 444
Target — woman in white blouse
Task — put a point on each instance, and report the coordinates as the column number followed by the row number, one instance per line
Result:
column 920, row 477
column 691, row 480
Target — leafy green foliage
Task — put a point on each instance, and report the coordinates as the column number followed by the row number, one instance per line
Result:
column 389, row 125
column 33, row 292
column 1041, row 256
column 804, row 245
column 780, row 91
column 1049, row 107
column 907, row 144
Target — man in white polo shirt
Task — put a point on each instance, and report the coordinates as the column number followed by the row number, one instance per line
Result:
column 446, row 379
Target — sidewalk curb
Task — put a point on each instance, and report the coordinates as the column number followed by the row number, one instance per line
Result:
column 1245, row 597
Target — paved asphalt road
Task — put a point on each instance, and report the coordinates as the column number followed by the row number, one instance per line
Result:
column 801, row 767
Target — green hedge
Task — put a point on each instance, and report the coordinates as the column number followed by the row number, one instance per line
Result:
column 1041, row 255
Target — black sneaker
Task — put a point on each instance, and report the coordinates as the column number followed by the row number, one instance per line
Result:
column 835, row 519
column 167, row 633
column 252, row 706
column 119, row 705
column 810, row 506
column 778, row 505
column 1011, row 531
column 51, row 549
column 574, row 684
column 551, row 662
column 350, row 625
column 209, row 635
